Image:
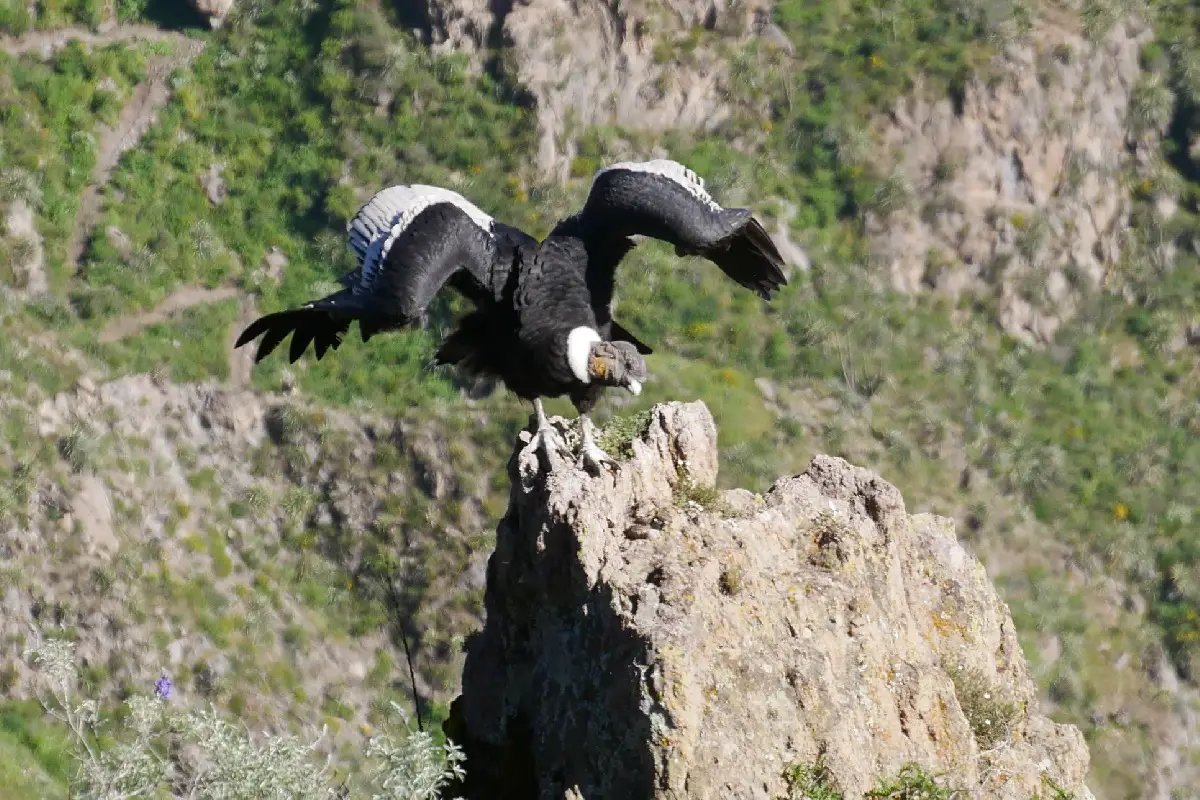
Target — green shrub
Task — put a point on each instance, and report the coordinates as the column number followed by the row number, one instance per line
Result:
column 146, row 755
column 912, row 783
column 993, row 719
column 811, row 782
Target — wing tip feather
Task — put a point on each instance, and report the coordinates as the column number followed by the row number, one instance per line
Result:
column 274, row 328
column 255, row 329
column 751, row 258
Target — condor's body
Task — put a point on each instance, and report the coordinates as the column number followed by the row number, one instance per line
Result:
column 542, row 322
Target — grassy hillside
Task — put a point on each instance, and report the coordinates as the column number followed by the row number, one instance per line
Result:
column 1084, row 456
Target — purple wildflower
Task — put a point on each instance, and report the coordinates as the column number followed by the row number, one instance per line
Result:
column 162, row 687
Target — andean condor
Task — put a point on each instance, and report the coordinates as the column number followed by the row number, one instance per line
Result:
column 542, row 322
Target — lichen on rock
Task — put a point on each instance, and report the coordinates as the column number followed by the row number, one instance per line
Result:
column 636, row 646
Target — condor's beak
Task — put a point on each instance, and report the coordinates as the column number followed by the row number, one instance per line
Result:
column 634, row 386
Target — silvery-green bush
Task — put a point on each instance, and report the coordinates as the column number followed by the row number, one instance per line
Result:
column 168, row 750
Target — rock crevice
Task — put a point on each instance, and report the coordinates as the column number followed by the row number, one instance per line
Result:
column 705, row 641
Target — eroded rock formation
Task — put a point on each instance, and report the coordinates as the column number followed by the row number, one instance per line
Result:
column 648, row 64
column 648, row 636
column 214, row 10
column 1019, row 185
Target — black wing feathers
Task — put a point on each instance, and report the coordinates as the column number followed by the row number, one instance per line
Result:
column 664, row 200
column 628, row 203
column 441, row 245
column 749, row 256
column 322, row 322
column 440, row 241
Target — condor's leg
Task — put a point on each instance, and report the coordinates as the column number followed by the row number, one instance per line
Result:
column 591, row 457
column 544, row 435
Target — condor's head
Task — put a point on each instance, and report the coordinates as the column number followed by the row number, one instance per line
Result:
column 606, row 363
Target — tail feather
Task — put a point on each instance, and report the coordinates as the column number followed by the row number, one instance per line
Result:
column 476, row 348
column 750, row 257
column 464, row 346
column 453, row 350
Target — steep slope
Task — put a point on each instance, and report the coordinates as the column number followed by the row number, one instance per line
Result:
column 707, row 641
column 242, row 544
column 1068, row 463
column 1017, row 181
column 646, row 65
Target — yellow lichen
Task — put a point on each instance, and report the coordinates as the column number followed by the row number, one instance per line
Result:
column 945, row 625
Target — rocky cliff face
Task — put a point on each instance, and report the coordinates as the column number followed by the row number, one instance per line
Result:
column 1020, row 182
column 185, row 522
column 214, row 11
column 647, row 65
column 707, row 641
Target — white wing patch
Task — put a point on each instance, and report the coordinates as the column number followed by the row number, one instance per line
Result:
column 389, row 213
column 671, row 170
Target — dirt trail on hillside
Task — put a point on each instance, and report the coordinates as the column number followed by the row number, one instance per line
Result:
column 241, row 362
column 138, row 115
column 180, row 299
column 44, row 43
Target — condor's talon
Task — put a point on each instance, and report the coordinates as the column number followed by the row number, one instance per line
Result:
column 548, row 440
column 591, row 457
column 595, row 460
column 544, row 437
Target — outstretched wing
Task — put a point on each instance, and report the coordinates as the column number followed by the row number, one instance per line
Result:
column 410, row 241
column 665, row 200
